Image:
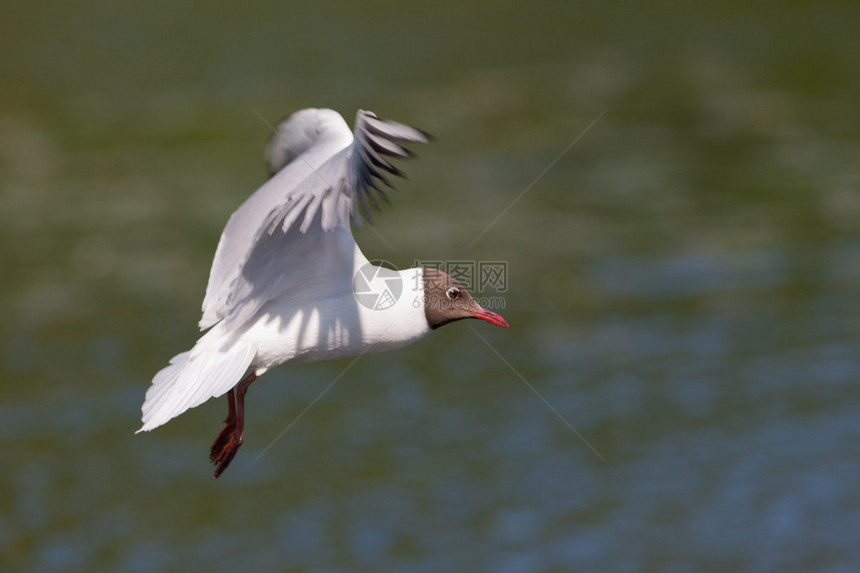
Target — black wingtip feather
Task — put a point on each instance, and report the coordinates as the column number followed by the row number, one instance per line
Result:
column 377, row 139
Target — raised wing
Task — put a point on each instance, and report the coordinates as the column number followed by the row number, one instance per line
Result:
column 292, row 238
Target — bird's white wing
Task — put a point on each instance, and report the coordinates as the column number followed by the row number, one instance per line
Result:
column 292, row 238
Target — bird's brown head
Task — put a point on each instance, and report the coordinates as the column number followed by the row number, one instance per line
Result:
column 445, row 300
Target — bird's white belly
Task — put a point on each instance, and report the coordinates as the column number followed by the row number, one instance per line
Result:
column 337, row 328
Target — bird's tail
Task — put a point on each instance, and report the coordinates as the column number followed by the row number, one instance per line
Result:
column 215, row 364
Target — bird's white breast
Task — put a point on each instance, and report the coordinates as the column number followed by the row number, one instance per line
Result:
column 340, row 327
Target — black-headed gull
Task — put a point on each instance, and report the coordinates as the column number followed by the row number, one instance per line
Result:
column 289, row 283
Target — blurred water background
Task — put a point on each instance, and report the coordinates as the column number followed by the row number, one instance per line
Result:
column 682, row 288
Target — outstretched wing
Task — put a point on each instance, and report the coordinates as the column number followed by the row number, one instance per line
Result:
column 292, row 238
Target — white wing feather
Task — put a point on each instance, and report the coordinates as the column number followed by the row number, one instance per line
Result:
column 319, row 186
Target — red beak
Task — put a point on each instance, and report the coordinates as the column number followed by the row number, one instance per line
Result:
column 490, row 317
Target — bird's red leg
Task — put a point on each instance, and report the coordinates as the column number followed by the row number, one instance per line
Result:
column 228, row 442
column 229, row 426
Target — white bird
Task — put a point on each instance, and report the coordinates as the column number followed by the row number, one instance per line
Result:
column 289, row 283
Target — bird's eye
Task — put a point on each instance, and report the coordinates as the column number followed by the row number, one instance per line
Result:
column 452, row 293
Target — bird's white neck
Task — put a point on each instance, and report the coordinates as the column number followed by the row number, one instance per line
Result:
column 392, row 315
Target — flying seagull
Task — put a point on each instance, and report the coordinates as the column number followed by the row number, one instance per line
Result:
column 289, row 283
